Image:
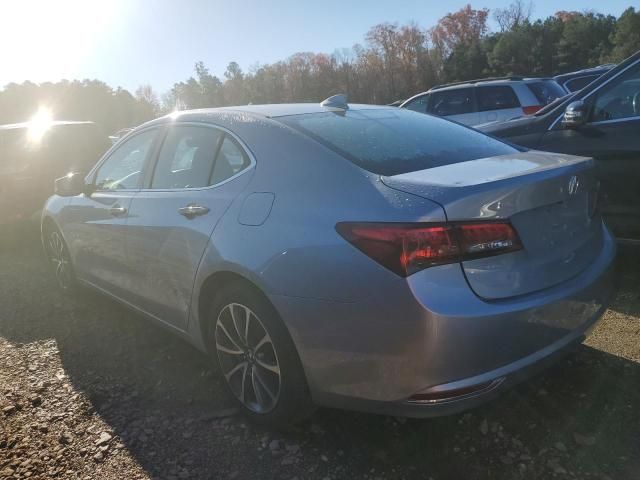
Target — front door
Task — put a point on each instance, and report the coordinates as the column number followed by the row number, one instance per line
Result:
column 95, row 223
column 195, row 179
column 612, row 137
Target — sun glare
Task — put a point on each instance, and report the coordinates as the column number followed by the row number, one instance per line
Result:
column 39, row 124
column 49, row 40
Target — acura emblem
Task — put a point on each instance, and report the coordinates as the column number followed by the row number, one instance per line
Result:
column 574, row 183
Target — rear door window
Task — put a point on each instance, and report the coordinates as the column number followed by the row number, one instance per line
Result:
column 496, row 98
column 452, row 102
column 197, row 157
column 396, row 141
column 231, row 159
column 186, row 158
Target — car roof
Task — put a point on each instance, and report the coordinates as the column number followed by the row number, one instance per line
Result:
column 486, row 81
column 16, row 126
column 586, row 71
column 270, row 110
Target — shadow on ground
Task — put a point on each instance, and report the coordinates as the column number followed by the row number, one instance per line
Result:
column 160, row 396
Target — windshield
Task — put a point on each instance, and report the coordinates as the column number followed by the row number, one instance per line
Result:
column 392, row 142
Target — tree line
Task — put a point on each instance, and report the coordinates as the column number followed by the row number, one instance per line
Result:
column 393, row 62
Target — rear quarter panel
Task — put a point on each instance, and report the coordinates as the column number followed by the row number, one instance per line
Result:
column 297, row 252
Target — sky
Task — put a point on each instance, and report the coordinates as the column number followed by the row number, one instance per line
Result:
column 129, row 43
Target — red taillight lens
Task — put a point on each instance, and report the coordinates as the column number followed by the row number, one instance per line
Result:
column 407, row 248
column 530, row 110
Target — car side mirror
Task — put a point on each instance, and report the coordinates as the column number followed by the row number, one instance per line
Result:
column 575, row 115
column 71, row 185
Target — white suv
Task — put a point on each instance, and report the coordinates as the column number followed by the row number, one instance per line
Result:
column 475, row 102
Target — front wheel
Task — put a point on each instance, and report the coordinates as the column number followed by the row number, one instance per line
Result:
column 59, row 258
column 258, row 358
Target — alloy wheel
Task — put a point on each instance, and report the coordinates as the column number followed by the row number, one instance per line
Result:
column 60, row 260
column 248, row 358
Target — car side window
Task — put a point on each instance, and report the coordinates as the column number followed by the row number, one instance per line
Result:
column 123, row 168
column 419, row 104
column 496, row 98
column 196, row 157
column 231, row 159
column 618, row 99
column 186, row 158
column 579, row 83
column 452, row 102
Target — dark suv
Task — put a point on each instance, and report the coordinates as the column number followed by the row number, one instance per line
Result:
column 33, row 156
column 601, row 121
column 574, row 81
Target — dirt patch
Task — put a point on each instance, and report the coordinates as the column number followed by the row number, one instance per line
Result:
column 90, row 390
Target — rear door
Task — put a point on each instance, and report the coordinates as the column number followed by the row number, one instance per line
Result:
column 94, row 225
column 198, row 173
column 455, row 104
column 497, row 102
column 613, row 139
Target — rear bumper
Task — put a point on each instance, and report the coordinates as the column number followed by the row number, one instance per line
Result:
column 431, row 332
column 503, row 379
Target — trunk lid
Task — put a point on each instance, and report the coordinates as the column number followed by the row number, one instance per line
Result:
column 549, row 199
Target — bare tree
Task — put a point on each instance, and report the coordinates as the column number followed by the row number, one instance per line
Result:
column 145, row 94
column 514, row 15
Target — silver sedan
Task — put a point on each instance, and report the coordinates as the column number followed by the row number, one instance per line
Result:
column 350, row 256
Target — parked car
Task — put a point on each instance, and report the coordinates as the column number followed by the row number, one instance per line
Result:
column 352, row 256
column 486, row 100
column 601, row 121
column 574, row 81
column 32, row 156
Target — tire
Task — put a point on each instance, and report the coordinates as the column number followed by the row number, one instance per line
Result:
column 58, row 257
column 260, row 365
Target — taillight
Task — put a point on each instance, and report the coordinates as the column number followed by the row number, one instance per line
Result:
column 530, row 110
column 406, row 248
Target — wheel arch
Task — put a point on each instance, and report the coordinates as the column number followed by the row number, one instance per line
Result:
column 212, row 284
column 48, row 223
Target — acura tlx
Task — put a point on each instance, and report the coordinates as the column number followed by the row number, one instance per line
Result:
column 351, row 256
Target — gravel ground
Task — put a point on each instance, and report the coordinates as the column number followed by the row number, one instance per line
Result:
column 90, row 390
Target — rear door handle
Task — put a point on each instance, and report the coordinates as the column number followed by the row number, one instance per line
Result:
column 117, row 211
column 192, row 210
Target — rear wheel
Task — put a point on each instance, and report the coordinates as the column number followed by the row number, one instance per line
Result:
column 59, row 258
column 257, row 357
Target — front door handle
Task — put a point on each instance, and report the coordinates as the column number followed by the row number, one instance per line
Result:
column 117, row 211
column 192, row 210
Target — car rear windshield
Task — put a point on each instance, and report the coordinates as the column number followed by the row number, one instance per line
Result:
column 546, row 91
column 392, row 141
